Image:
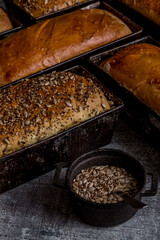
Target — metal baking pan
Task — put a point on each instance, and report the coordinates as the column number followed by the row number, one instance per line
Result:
column 27, row 19
column 137, row 31
column 27, row 163
column 150, row 28
column 139, row 114
column 17, row 25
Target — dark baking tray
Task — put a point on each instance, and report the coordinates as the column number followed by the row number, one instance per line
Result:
column 137, row 31
column 150, row 28
column 27, row 163
column 28, row 19
column 17, row 25
column 139, row 114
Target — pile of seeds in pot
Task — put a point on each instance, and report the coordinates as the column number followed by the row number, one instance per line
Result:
column 99, row 184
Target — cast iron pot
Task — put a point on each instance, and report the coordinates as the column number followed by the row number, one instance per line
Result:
column 105, row 214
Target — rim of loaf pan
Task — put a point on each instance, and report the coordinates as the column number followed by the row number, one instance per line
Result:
column 32, row 161
column 142, row 117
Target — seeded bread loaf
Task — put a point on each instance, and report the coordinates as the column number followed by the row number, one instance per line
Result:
column 5, row 23
column 37, row 8
column 137, row 68
column 38, row 108
column 148, row 8
column 55, row 40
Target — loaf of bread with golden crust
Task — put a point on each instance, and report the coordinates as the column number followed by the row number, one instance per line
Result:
column 137, row 68
column 37, row 8
column 5, row 23
column 148, row 8
column 38, row 108
column 55, row 40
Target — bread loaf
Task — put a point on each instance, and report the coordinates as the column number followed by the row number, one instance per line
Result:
column 38, row 108
column 37, row 8
column 5, row 23
column 148, row 8
column 55, row 40
column 137, row 68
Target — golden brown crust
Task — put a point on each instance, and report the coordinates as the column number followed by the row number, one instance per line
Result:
column 137, row 68
column 38, row 108
column 55, row 40
column 5, row 23
column 148, row 8
column 37, row 8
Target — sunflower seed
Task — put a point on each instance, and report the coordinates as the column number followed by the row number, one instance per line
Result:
column 68, row 104
column 99, row 182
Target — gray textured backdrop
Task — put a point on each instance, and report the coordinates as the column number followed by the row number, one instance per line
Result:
column 38, row 211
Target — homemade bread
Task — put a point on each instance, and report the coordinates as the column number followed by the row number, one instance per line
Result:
column 137, row 68
column 5, row 23
column 148, row 8
column 37, row 8
column 55, row 40
column 38, row 108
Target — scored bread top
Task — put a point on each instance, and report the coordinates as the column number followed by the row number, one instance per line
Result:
column 57, row 39
column 38, row 108
column 137, row 68
column 37, row 8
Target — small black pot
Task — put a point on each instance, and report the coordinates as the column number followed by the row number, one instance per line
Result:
column 105, row 214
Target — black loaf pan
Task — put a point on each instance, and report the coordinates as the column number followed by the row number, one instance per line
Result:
column 17, row 25
column 24, row 165
column 150, row 28
column 137, row 31
column 139, row 114
column 29, row 19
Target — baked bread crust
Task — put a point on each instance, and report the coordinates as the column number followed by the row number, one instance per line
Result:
column 38, row 108
column 148, row 8
column 5, row 23
column 137, row 68
column 56, row 40
column 37, row 8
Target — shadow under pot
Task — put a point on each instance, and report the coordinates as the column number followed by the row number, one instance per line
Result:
column 104, row 213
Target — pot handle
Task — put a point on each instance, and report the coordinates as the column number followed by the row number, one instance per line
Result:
column 154, row 186
column 56, row 177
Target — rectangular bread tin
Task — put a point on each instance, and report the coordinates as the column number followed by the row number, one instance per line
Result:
column 142, row 117
column 137, row 31
column 29, row 19
column 25, row 164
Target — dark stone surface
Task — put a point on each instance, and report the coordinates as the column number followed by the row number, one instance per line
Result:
column 39, row 211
